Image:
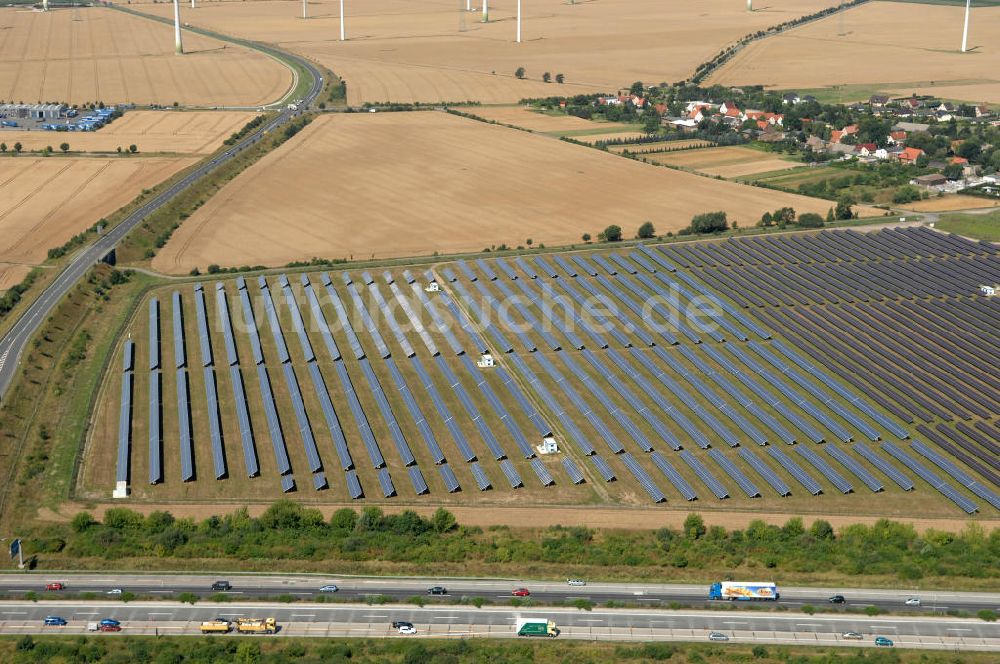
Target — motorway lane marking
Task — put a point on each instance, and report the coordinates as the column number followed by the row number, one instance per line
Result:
column 15, row 613
column 957, row 629
column 446, row 617
column 303, row 615
column 374, row 616
column 590, row 620
column 808, row 625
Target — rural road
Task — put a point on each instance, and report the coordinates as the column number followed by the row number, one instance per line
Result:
column 246, row 587
column 13, row 343
column 361, row 620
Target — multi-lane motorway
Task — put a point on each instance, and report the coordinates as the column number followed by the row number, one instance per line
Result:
column 307, row 587
column 13, row 343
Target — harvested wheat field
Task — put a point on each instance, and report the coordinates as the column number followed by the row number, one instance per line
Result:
column 660, row 146
column 401, row 184
column 726, row 162
column 96, row 54
column 879, row 43
column 435, row 51
column 185, row 132
column 46, row 201
column 519, row 116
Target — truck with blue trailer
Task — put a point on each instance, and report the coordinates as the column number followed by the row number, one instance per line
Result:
column 745, row 591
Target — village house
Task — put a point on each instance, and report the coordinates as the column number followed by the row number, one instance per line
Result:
column 910, row 155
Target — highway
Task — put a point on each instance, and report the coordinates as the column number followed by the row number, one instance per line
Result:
column 13, row 343
column 304, row 587
column 361, row 620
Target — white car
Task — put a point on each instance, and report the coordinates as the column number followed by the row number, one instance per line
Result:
column 115, row 591
column 575, row 582
column 913, row 601
column 329, row 588
column 407, row 629
column 854, row 636
column 717, row 636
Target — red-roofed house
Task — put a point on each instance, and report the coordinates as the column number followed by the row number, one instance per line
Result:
column 897, row 137
column 698, row 113
column 865, row 149
column 774, row 118
column 762, row 125
column 637, row 101
column 909, row 155
column 730, row 110
column 959, row 160
column 837, row 135
column 754, row 115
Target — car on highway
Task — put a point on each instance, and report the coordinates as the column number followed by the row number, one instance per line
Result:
column 437, row 590
column 109, row 628
column 520, row 592
column 115, row 591
column 883, row 642
column 837, row 599
column 396, row 624
column 853, row 636
column 109, row 621
column 329, row 588
column 222, row 585
column 55, row 620
column 407, row 629
column 717, row 636
column 575, row 582
column 913, row 601
column 55, row 585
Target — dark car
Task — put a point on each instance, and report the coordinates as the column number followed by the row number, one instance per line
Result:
column 222, row 585
column 109, row 622
column 396, row 624
column 437, row 590
column 837, row 599
column 55, row 620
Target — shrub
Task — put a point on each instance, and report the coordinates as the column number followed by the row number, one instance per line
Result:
column 810, row 220
column 612, row 233
column 709, row 222
column 987, row 615
column 647, row 231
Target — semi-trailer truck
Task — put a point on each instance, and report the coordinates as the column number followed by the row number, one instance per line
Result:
column 744, row 591
column 256, row 626
column 536, row 627
column 216, row 627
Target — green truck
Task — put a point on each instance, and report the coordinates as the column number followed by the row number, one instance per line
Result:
column 536, row 627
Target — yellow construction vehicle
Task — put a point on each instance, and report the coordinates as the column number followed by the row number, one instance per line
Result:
column 218, row 626
column 256, row 626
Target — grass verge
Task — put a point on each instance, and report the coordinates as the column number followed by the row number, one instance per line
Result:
column 977, row 226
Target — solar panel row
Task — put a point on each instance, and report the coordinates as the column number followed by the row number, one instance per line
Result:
column 273, row 423
column 222, row 308
column 201, row 314
column 343, row 319
column 505, row 318
column 930, row 477
column 272, row 321
column 600, row 321
column 125, row 413
column 825, row 469
column 485, row 432
column 704, row 474
column 354, row 485
column 644, row 479
column 573, row 470
column 319, row 320
column 155, row 427
column 887, row 469
column 457, row 435
column 402, row 446
column 487, row 270
column 480, row 318
column 765, row 471
column 417, row 480
column 510, row 472
column 674, row 477
column 359, row 306
column 302, row 419
column 478, row 474
column 449, row 479
column 298, row 324
column 180, row 356
column 390, row 319
column 847, row 461
column 243, row 421
column 582, row 406
column 330, row 415
column 466, row 324
column 184, row 426
column 697, row 303
column 603, row 467
column 250, row 322
column 418, row 416
column 214, row 425
column 614, row 316
column 498, row 408
column 730, row 468
column 598, row 339
column 795, row 470
column 385, row 481
column 415, row 323
column 527, row 287
column 154, row 334
column 439, row 322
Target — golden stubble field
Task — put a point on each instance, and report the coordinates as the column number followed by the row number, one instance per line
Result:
column 46, row 201
column 95, row 54
column 403, row 184
column 519, row 116
column 726, row 162
column 435, row 51
column 187, row 132
column 882, row 44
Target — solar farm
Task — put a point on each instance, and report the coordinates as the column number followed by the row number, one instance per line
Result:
column 836, row 372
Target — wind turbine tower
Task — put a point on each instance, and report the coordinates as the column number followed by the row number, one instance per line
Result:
column 518, row 21
column 749, row 5
column 178, row 46
column 192, row 4
column 486, row 11
column 305, row 11
column 342, row 37
column 965, row 30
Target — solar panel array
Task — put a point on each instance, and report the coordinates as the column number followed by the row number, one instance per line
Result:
column 125, row 414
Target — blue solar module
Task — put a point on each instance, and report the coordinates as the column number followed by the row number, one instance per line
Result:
column 319, row 320
column 457, row 435
column 330, row 415
column 273, row 423
column 359, row 306
column 854, row 466
column 565, row 265
column 527, row 407
column 569, row 425
column 418, row 416
column 448, row 476
column 586, row 307
column 466, row 324
column 574, row 340
column 482, row 481
column 367, row 278
column 605, row 265
column 641, row 261
column 251, row 325
column 764, row 471
column 443, row 328
column 287, row 484
column 389, row 279
column 214, row 426
column 204, row 340
column 615, row 317
column 704, row 474
column 728, row 308
column 471, row 410
column 675, row 313
column 184, row 426
column 546, row 267
column 583, row 407
column 603, row 468
column 584, row 265
column 272, row 321
column 180, row 356
column 124, row 427
column 645, row 481
column 658, row 257
column 417, row 480
column 346, row 278
column 243, row 421
column 481, row 318
column 504, row 317
column 730, row 468
column 345, row 321
column 513, row 477
column 408, row 276
column 487, row 270
column 449, row 274
column 507, row 269
column 499, row 409
column 623, row 264
column 675, row 478
column 353, row 485
column 402, row 446
column 390, row 319
column 646, row 413
column 302, row 419
column 824, row 468
column 573, row 470
column 298, row 324
column 887, row 468
column 602, row 398
column 568, row 308
column 415, row 323
column 155, row 428
column 795, row 470
column 930, row 477
column 528, row 269
column 544, row 476
column 636, row 306
column 154, row 334
column 956, row 473
column 464, row 267
column 222, row 306
column 385, row 481
column 698, row 306
column 319, row 482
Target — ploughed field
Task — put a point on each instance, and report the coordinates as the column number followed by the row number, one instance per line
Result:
column 403, row 184
column 90, row 54
column 771, row 373
column 435, row 51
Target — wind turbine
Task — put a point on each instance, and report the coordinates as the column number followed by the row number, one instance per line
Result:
column 518, row 21
column 486, row 11
column 342, row 37
column 305, row 13
column 965, row 31
column 192, row 4
column 178, row 47
column 749, row 5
